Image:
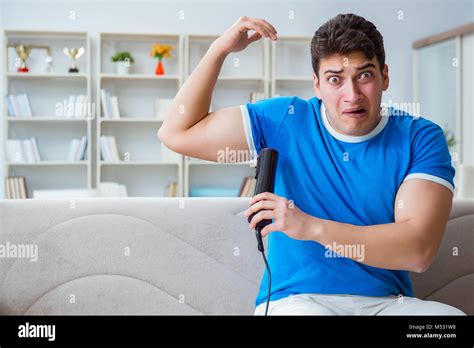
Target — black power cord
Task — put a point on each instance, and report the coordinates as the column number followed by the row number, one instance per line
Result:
column 269, row 282
column 258, row 234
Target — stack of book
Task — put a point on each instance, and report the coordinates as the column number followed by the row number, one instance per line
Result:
column 256, row 96
column 23, row 150
column 77, row 149
column 18, row 105
column 108, row 149
column 248, row 187
column 110, row 106
column 171, row 190
column 16, row 187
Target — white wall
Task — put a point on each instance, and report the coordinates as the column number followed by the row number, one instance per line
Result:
column 420, row 18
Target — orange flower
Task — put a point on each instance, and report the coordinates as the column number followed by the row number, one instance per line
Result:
column 160, row 51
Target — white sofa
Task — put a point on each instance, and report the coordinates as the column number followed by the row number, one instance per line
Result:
column 168, row 256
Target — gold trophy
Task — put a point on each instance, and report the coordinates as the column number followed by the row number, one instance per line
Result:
column 23, row 52
column 73, row 54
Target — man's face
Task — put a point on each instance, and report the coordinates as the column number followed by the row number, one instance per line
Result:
column 351, row 87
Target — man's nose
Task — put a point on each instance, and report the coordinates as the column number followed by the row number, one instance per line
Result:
column 352, row 92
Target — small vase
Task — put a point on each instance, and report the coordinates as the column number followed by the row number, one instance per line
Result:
column 122, row 68
column 159, row 68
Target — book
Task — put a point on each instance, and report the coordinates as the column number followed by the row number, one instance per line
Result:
column 7, row 188
column 108, row 149
column 247, row 187
column 115, row 107
column 36, row 152
column 18, row 105
column 114, row 149
column 24, row 105
column 81, row 149
column 104, row 101
column 27, row 151
column 10, row 110
column 171, row 190
column 14, row 153
column 23, row 193
column 73, row 147
column 104, row 149
column 16, row 188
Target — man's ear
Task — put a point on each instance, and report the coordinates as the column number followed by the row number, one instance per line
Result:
column 385, row 78
column 317, row 91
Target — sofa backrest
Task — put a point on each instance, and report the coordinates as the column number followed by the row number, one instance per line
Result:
column 130, row 256
column 168, row 256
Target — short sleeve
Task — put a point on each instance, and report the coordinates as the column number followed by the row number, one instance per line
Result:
column 430, row 159
column 262, row 121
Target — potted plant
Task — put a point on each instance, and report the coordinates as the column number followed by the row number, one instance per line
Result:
column 122, row 61
column 160, row 51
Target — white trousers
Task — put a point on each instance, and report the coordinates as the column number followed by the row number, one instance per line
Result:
column 318, row 304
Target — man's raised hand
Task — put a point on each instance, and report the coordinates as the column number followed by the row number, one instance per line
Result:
column 237, row 38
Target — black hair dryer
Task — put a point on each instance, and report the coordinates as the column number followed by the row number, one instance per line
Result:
column 265, row 175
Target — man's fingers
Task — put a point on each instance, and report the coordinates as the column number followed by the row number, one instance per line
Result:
column 271, row 26
column 262, row 29
column 266, row 28
column 254, row 37
column 262, row 215
column 259, row 27
column 269, row 228
column 264, row 195
column 260, row 206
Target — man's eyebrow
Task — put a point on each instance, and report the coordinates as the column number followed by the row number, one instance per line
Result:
column 368, row 65
column 365, row 66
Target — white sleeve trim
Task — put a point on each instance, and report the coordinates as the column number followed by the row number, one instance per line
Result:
column 248, row 131
column 430, row 177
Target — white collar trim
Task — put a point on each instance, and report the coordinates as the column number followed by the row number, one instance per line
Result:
column 352, row 138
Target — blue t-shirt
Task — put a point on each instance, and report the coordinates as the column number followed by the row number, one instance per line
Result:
column 348, row 179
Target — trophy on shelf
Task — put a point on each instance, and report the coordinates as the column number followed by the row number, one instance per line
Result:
column 23, row 52
column 73, row 54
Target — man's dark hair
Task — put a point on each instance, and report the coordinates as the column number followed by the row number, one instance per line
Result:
column 346, row 33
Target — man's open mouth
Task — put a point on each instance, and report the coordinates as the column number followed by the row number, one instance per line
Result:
column 359, row 112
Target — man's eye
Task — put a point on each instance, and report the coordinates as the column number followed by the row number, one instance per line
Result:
column 366, row 75
column 333, row 80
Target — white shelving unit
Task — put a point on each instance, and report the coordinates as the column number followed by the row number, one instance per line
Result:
column 45, row 89
column 241, row 73
column 141, row 168
column 293, row 78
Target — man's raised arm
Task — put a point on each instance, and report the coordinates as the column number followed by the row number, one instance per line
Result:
column 189, row 128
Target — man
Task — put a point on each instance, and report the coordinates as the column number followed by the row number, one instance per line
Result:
column 360, row 198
